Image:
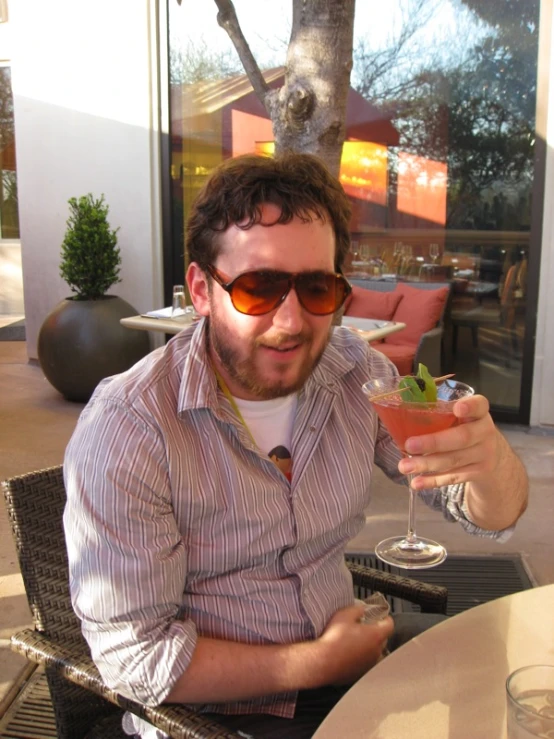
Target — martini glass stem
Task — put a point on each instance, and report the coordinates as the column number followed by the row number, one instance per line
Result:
column 411, row 536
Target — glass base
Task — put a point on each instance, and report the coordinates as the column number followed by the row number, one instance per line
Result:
column 417, row 555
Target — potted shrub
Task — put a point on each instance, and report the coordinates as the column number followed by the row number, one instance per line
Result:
column 91, row 259
column 81, row 340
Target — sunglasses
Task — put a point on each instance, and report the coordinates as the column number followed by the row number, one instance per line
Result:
column 259, row 292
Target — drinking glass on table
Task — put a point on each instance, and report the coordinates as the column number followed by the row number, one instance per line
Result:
column 397, row 254
column 406, row 259
column 179, row 307
column 434, row 252
column 403, row 419
column 365, row 252
column 530, row 698
column 179, row 303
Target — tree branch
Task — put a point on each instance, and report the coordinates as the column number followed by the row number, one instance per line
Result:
column 227, row 19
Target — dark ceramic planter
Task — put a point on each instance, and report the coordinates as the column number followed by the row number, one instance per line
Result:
column 82, row 341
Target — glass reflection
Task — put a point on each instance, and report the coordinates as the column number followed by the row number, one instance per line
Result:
column 438, row 161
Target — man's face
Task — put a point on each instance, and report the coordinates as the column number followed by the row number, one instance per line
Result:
column 269, row 356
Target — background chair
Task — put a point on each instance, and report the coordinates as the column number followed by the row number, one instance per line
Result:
column 83, row 704
column 501, row 314
column 423, row 306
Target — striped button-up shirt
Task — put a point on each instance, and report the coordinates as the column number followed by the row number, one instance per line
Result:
column 178, row 526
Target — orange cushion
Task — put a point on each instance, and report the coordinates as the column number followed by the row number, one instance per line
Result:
column 400, row 355
column 372, row 303
column 419, row 309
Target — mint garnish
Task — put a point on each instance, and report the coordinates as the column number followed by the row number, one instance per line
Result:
column 419, row 389
column 430, row 387
column 412, row 393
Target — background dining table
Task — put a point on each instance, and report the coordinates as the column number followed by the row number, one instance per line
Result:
column 449, row 682
column 369, row 329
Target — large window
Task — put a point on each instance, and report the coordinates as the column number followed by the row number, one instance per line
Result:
column 439, row 160
column 9, row 219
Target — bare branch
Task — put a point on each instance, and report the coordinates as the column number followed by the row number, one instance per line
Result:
column 227, row 19
column 383, row 71
column 198, row 61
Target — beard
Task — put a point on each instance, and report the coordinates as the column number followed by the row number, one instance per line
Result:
column 240, row 363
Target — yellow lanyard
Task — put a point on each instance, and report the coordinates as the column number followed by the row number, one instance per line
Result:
column 223, row 385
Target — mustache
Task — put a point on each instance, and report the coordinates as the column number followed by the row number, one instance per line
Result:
column 277, row 340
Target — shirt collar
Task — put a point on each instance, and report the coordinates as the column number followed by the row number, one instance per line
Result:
column 198, row 387
column 334, row 364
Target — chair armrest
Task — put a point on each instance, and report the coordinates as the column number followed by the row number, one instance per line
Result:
column 431, row 598
column 77, row 667
column 429, row 351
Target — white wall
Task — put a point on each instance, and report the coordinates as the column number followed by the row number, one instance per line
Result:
column 86, row 102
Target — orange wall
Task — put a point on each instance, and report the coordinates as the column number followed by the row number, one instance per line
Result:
column 422, row 188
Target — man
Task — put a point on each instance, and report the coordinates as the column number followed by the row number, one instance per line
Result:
column 205, row 572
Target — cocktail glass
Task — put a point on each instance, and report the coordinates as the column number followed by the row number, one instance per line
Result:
column 404, row 419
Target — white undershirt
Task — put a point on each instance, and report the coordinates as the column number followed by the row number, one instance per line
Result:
column 270, row 421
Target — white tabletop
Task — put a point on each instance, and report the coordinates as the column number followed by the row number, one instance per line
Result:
column 369, row 328
column 449, row 682
column 148, row 323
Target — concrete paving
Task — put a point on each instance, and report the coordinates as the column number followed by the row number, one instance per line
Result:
column 36, row 423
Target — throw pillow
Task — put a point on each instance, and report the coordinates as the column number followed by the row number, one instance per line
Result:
column 372, row 303
column 419, row 310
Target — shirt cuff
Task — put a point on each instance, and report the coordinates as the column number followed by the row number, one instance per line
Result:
column 459, row 508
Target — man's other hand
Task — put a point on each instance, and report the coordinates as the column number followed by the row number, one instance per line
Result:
column 350, row 648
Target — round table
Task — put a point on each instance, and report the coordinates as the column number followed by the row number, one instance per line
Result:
column 450, row 680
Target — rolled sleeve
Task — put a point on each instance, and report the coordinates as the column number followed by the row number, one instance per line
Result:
column 451, row 501
column 127, row 560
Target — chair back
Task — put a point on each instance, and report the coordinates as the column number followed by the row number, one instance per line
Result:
column 390, row 285
column 521, row 279
column 35, row 504
column 83, row 705
column 509, row 286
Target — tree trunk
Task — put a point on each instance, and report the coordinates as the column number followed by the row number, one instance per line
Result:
column 308, row 112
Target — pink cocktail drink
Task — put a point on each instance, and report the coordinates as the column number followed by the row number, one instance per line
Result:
column 404, row 409
column 414, row 419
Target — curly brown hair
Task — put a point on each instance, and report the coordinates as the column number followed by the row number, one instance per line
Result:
column 299, row 184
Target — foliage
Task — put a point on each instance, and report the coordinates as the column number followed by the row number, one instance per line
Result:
column 91, row 259
column 6, row 108
column 386, row 69
column 478, row 118
column 198, row 62
column 514, row 16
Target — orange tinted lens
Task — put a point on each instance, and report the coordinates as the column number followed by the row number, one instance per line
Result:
column 256, row 293
column 319, row 293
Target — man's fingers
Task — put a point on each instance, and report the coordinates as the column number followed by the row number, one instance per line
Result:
column 453, row 477
column 470, row 408
column 460, row 456
column 386, row 625
column 466, row 433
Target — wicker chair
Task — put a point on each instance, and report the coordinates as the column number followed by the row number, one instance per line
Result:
column 83, row 705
